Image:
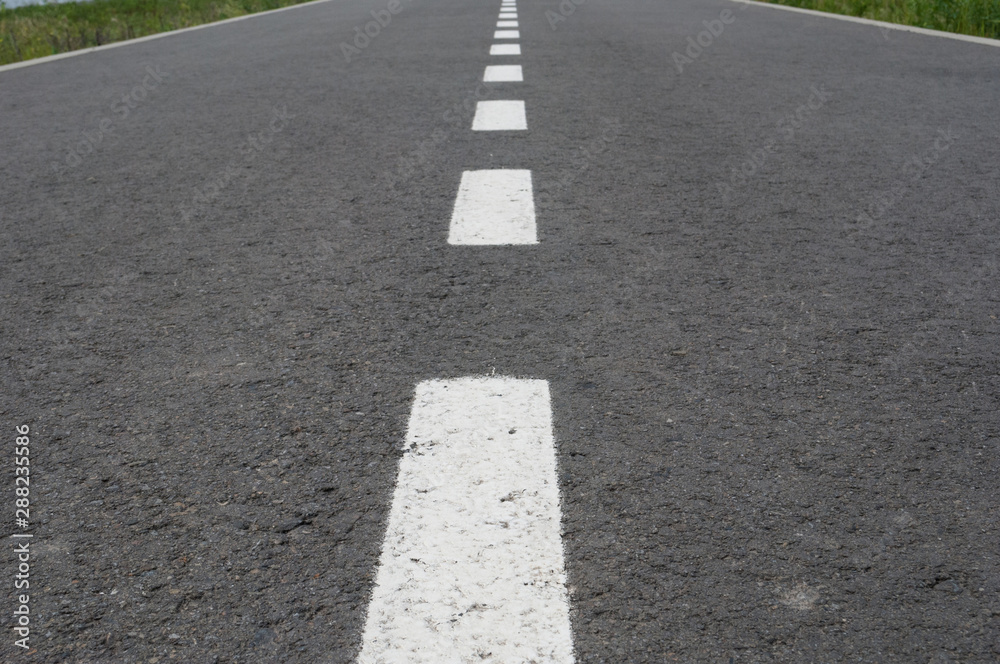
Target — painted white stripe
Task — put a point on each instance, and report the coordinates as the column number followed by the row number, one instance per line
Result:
column 472, row 567
column 500, row 115
column 159, row 35
column 985, row 41
column 503, row 74
column 506, row 34
column 505, row 49
column 506, row 24
column 508, row 15
column 494, row 207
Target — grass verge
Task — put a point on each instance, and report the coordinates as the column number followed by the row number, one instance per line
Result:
column 39, row 30
column 980, row 18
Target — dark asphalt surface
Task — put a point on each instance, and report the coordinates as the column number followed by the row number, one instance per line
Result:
column 775, row 393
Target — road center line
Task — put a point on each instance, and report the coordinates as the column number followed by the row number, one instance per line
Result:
column 499, row 115
column 505, row 49
column 495, row 207
column 472, row 566
column 503, row 74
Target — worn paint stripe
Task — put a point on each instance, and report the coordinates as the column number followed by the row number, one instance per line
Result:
column 472, row 566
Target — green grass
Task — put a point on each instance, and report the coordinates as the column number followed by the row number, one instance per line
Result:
column 969, row 17
column 39, row 30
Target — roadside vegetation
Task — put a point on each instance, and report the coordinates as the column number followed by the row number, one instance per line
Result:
column 980, row 18
column 39, row 30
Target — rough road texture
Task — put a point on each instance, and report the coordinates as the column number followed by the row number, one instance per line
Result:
column 775, row 392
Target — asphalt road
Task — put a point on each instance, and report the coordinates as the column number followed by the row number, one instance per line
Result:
column 765, row 299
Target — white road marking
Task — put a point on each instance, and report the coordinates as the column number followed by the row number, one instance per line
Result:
column 508, row 14
column 505, row 49
column 494, row 207
column 506, row 34
column 985, row 41
column 472, row 567
column 499, row 115
column 506, row 24
column 503, row 74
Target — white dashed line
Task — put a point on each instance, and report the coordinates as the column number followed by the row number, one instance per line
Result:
column 506, row 34
column 494, row 207
column 506, row 24
column 503, row 74
column 472, row 566
column 505, row 49
column 499, row 115
column 508, row 15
